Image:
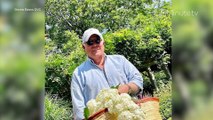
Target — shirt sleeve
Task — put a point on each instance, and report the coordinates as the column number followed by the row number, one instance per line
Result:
column 77, row 98
column 132, row 73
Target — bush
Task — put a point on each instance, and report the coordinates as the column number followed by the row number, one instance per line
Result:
column 57, row 109
column 60, row 63
column 59, row 69
column 165, row 96
column 148, row 87
column 141, row 52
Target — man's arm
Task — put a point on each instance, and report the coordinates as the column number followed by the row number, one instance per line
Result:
column 134, row 78
column 77, row 98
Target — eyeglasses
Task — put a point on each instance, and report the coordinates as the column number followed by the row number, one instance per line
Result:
column 91, row 42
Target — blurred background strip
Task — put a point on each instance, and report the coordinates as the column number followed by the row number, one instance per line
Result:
column 192, row 47
column 21, row 59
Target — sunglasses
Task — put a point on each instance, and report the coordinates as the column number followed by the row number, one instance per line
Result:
column 91, row 42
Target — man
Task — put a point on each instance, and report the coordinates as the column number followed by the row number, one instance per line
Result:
column 101, row 71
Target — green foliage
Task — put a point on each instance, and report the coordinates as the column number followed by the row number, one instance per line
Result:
column 86, row 113
column 115, row 87
column 148, row 87
column 57, row 109
column 161, row 77
column 80, row 15
column 165, row 96
column 140, row 51
column 59, row 70
column 60, row 64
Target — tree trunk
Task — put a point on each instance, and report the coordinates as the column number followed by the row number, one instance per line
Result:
column 166, row 70
column 152, row 78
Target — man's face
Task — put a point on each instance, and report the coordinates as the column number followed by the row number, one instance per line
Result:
column 94, row 47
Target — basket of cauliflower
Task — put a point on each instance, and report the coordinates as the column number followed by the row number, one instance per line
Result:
column 110, row 105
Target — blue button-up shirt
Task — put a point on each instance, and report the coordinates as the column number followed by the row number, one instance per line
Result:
column 88, row 79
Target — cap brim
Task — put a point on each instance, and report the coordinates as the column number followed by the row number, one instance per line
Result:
column 87, row 38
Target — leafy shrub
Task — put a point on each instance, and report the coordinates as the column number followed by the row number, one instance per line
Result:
column 60, row 64
column 165, row 96
column 57, row 109
column 59, row 69
column 148, row 87
column 142, row 52
column 161, row 78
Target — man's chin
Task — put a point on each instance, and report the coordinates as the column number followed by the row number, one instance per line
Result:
column 97, row 53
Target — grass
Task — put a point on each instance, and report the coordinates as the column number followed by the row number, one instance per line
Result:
column 57, row 109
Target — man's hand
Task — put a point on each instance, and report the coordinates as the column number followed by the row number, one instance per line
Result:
column 130, row 88
column 123, row 89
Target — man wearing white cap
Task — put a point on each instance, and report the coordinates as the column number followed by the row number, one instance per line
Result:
column 101, row 71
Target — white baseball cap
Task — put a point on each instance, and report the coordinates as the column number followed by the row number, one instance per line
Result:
column 90, row 32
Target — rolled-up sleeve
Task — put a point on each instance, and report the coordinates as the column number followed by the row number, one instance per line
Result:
column 132, row 73
column 77, row 98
